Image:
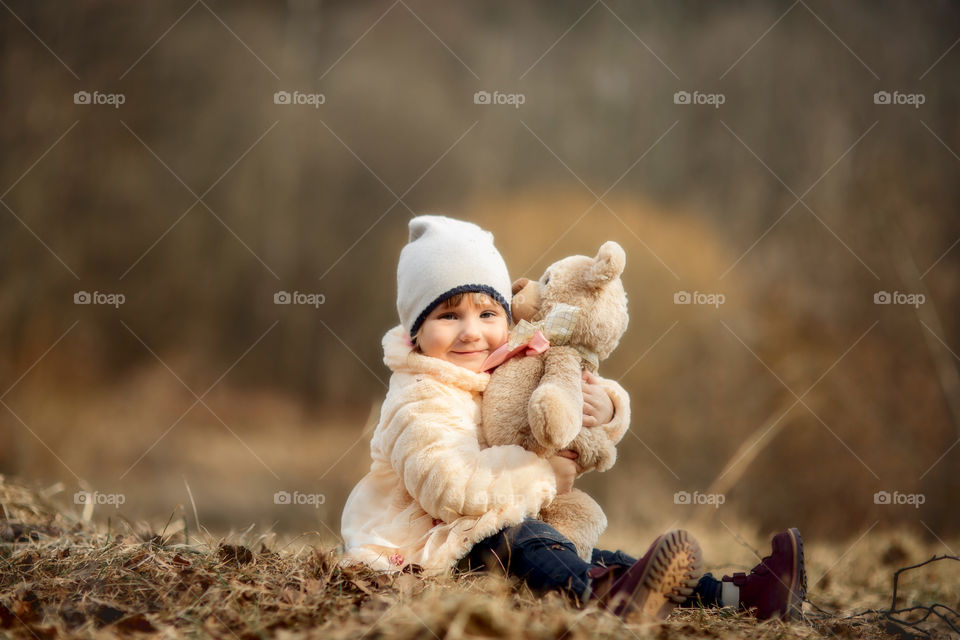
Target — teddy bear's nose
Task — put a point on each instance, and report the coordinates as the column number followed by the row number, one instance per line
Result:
column 520, row 284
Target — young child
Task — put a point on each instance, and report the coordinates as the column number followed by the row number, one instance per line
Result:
column 438, row 499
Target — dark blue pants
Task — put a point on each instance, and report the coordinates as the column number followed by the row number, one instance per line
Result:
column 545, row 560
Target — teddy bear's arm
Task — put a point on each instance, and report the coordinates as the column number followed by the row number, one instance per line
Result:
column 556, row 405
column 506, row 402
column 596, row 446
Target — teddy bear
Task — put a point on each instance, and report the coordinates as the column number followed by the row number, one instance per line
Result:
column 567, row 322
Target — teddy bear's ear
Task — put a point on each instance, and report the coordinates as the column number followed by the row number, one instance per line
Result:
column 608, row 264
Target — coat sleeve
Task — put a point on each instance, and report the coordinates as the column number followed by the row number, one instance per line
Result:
column 437, row 454
column 617, row 427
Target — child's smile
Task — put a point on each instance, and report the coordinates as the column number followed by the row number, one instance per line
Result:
column 466, row 333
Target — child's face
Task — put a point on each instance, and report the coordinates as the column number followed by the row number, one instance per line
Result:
column 464, row 334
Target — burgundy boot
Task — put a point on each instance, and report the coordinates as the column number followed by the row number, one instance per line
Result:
column 775, row 588
column 654, row 584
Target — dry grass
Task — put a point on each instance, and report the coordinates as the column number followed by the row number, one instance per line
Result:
column 61, row 576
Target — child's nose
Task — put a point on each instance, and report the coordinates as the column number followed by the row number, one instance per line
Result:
column 470, row 331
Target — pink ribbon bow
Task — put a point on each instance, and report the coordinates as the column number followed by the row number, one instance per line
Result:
column 538, row 343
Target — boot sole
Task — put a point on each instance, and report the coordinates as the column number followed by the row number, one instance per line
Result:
column 798, row 586
column 669, row 577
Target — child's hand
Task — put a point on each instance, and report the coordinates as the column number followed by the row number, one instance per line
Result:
column 565, row 469
column 597, row 405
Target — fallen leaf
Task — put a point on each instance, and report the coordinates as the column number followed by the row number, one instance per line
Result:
column 363, row 585
column 6, row 617
column 104, row 614
column 72, row 616
column 408, row 584
column 27, row 608
column 234, row 553
column 136, row 622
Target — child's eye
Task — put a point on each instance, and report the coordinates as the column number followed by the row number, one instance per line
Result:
column 447, row 316
column 488, row 314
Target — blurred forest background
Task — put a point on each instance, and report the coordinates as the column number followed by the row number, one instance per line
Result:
column 199, row 198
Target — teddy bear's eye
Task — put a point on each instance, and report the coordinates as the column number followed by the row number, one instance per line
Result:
column 546, row 280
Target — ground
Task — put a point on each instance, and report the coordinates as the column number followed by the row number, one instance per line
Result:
column 63, row 576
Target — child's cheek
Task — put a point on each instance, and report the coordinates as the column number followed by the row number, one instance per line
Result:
column 504, row 333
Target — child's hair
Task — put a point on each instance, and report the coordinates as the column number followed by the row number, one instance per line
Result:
column 479, row 297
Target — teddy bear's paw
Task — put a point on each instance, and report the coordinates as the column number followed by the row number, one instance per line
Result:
column 603, row 455
column 554, row 419
column 584, row 550
column 585, row 537
column 579, row 518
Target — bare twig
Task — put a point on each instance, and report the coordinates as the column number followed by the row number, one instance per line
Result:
column 929, row 610
column 895, row 615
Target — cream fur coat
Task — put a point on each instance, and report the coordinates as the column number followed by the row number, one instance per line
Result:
column 434, row 490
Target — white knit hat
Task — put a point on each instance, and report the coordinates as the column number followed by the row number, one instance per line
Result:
column 444, row 257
